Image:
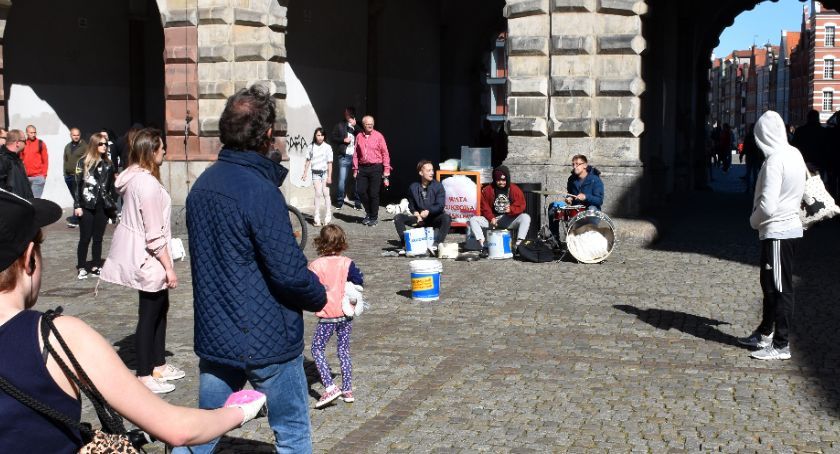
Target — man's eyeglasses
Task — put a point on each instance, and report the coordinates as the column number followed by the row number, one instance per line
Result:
column 577, row 164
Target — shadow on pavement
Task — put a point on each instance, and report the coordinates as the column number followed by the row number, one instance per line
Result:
column 716, row 224
column 701, row 327
column 232, row 444
column 127, row 353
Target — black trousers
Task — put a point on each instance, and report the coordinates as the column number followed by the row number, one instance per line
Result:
column 150, row 336
column 776, row 275
column 91, row 227
column 368, row 183
column 440, row 222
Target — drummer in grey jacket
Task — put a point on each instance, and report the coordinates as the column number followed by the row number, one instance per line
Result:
column 778, row 195
column 426, row 200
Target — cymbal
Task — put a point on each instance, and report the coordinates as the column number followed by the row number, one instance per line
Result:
column 540, row 192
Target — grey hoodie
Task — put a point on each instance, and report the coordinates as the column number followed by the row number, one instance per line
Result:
column 780, row 184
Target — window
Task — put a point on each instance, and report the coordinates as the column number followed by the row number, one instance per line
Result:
column 828, row 68
column 829, row 36
column 828, row 101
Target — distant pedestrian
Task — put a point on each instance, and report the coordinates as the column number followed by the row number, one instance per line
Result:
column 92, row 201
column 812, row 140
column 371, row 167
column 343, row 138
column 140, row 257
column 778, row 195
column 12, row 172
column 73, row 151
column 334, row 270
column 754, row 156
column 36, row 160
column 319, row 161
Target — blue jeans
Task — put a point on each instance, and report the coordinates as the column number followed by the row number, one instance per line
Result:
column 37, row 183
column 287, row 395
column 345, row 166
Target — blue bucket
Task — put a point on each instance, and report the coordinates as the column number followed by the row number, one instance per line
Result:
column 425, row 280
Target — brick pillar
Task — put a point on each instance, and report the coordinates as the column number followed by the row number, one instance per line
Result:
column 582, row 58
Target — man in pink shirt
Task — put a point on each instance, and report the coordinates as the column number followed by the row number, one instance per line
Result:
column 371, row 168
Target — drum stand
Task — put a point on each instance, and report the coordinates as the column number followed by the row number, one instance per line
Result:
column 546, row 235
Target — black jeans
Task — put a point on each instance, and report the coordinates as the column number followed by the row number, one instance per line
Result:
column 776, row 275
column 150, row 336
column 368, row 182
column 91, row 227
column 440, row 222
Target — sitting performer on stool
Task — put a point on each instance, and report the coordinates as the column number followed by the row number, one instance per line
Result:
column 425, row 201
column 502, row 207
column 584, row 187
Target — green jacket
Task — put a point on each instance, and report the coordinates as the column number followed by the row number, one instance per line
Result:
column 71, row 157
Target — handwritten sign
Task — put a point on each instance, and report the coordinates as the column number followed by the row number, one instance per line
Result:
column 462, row 194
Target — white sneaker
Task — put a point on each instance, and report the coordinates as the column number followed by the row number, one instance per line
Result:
column 83, row 274
column 156, row 385
column 327, row 219
column 756, row 340
column 771, row 352
column 168, row 372
column 316, row 222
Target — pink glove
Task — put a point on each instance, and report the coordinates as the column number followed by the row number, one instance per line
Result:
column 249, row 401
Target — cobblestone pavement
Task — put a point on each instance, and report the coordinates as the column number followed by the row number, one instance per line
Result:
column 635, row 354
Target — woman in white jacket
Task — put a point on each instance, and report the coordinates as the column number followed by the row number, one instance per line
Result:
column 778, row 196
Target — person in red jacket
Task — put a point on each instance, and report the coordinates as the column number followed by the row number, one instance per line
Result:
column 35, row 160
column 502, row 207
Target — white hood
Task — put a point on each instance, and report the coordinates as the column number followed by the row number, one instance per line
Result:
column 771, row 135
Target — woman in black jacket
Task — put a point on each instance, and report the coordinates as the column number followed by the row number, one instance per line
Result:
column 93, row 202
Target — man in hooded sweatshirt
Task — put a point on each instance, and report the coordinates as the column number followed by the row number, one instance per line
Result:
column 778, row 195
column 502, row 207
column 584, row 185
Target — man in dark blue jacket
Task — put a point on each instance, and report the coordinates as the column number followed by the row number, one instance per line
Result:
column 426, row 200
column 250, row 278
column 585, row 186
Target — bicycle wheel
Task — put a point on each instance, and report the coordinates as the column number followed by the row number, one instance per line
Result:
column 298, row 226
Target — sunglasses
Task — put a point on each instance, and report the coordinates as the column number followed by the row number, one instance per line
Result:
column 102, row 144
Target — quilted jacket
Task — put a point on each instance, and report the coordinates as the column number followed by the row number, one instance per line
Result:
column 250, row 279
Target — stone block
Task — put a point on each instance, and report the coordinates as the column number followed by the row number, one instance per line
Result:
column 250, row 52
column 527, row 106
column 280, row 89
column 209, row 146
column 215, row 89
column 521, row 172
column 215, row 15
column 528, row 149
column 249, row 34
column 214, row 35
column 571, row 127
column 528, row 45
column 215, row 54
column 623, row 7
column 528, row 86
column 573, row 66
column 176, row 112
column 575, row 24
column 618, row 151
column 527, row 126
column 249, row 70
column 572, row 45
column 619, row 25
column 621, row 44
column 616, row 66
column 175, row 147
column 277, row 17
column 522, row 8
column 617, row 107
column 276, row 71
column 207, row 3
column 621, row 87
column 620, row 127
column 275, row 52
column 622, row 190
column 573, row 5
column 180, row 81
column 563, row 148
column 529, row 26
column 210, row 72
column 179, row 16
column 209, row 126
column 210, row 108
column 527, row 66
column 251, row 17
column 572, row 86
column 180, row 44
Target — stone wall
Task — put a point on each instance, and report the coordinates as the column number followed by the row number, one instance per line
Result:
column 574, row 87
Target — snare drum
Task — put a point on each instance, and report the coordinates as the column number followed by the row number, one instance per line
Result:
column 568, row 212
column 590, row 237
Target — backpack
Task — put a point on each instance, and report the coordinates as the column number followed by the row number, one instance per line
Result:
column 535, row 251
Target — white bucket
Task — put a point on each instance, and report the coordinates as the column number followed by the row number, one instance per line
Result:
column 498, row 244
column 415, row 242
column 425, row 279
column 430, row 237
column 447, row 251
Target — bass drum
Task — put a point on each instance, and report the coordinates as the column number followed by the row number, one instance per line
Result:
column 590, row 237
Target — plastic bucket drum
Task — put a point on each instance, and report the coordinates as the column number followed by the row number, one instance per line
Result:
column 425, row 280
column 415, row 242
column 498, row 244
column 430, row 237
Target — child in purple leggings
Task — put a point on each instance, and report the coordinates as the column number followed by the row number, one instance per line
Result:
column 334, row 270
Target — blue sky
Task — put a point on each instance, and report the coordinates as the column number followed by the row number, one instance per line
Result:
column 765, row 21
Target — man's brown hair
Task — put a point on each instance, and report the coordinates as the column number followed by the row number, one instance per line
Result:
column 580, row 157
column 331, row 240
column 422, row 163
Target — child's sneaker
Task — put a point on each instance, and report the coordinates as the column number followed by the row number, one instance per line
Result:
column 168, row 372
column 157, row 386
column 332, row 393
column 327, row 219
column 347, row 396
column 316, row 222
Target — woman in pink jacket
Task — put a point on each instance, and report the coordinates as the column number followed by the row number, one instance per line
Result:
column 140, row 258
